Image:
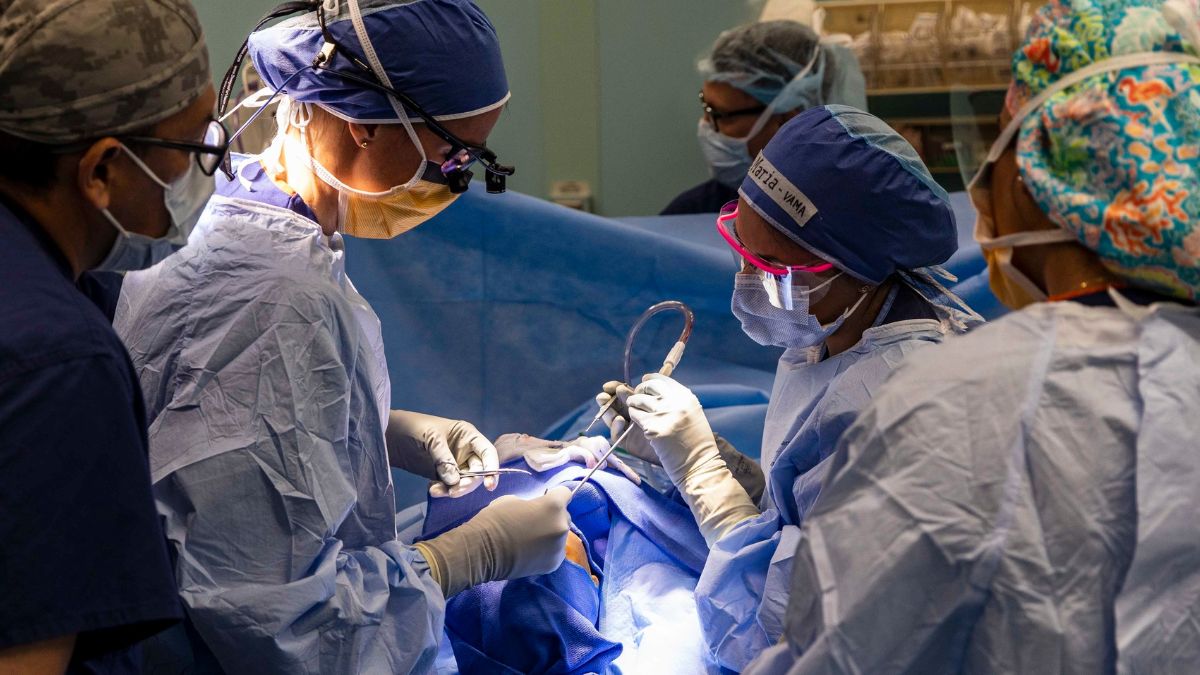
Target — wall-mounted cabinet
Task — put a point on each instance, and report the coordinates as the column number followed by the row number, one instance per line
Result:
column 916, row 54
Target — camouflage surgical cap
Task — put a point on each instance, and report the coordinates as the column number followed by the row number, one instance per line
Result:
column 72, row 70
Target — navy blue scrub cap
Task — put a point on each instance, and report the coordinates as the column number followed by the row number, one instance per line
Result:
column 844, row 185
column 443, row 54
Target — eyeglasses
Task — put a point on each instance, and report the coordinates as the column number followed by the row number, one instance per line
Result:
column 455, row 167
column 715, row 116
column 209, row 153
column 777, row 277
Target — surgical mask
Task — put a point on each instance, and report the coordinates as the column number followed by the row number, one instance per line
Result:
column 729, row 158
column 769, row 325
column 185, row 199
column 391, row 213
column 1010, row 285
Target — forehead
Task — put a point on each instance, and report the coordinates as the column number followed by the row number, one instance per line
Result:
column 725, row 97
column 476, row 128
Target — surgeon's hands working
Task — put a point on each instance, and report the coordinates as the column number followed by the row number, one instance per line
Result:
column 508, row 539
column 677, row 430
column 542, row 455
column 617, row 420
column 437, row 448
column 747, row 471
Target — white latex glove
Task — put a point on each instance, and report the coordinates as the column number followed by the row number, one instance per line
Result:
column 617, row 419
column 436, row 448
column 508, row 539
column 747, row 472
column 543, row 455
column 675, row 425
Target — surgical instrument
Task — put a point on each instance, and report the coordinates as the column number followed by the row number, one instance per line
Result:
column 600, row 462
column 491, row 472
column 673, row 356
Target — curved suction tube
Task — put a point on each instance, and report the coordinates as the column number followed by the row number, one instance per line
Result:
column 676, row 353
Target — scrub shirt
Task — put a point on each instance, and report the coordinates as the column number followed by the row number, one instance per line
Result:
column 82, row 552
column 707, row 197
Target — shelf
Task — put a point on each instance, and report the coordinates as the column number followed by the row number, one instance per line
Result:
column 937, row 89
column 992, row 120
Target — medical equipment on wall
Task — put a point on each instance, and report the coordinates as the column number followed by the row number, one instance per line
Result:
column 668, row 367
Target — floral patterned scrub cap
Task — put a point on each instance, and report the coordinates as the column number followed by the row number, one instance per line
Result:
column 1115, row 158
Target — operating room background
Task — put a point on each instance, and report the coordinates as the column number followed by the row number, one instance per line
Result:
column 604, row 91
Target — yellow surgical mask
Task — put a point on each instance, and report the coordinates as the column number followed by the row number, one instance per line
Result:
column 377, row 215
column 391, row 213
column 1010, row 285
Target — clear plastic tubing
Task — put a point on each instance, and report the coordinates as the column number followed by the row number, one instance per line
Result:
column 676, row 353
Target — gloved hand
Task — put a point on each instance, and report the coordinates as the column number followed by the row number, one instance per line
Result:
column 675, row 425
column 543, row 455
column 436, row 448
column 508, row 539
column 747, row 471
column 617, row 419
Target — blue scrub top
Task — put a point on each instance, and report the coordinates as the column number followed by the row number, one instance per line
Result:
column 82, row 551
column 707, row 197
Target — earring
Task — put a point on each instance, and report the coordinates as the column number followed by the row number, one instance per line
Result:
column 363, row 144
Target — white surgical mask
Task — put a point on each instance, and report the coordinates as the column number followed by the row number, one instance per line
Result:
column 1009, row 284
column 184, row 198
column 769, row 325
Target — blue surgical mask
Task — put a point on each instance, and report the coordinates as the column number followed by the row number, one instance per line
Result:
column 728, row 158
column 772, row 326
column 185, row 200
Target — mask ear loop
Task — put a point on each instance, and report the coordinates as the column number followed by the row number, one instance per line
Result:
column 299, row 116
column 364, row 39
column 862, row 296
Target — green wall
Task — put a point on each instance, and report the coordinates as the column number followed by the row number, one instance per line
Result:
column 603, row 90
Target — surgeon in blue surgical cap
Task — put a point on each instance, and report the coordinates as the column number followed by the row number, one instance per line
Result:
column 756, row 78
column 838, row 233
column 266, row 386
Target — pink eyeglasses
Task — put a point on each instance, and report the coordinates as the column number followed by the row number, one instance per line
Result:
column 777, row 277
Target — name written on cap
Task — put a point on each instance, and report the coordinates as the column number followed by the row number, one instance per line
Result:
column 782, row 192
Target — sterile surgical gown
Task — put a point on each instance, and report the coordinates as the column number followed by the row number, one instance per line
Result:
column 267, row 394
column 743, row 591
column 1022, row 499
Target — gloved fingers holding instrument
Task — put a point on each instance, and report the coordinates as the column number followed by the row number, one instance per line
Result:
column 542, row 455
column 678, row 431
column 616, row 417
column 437, row 448
column 509, row 538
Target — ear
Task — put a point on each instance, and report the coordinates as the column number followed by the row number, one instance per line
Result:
column 94, row 174
column 363, row 134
